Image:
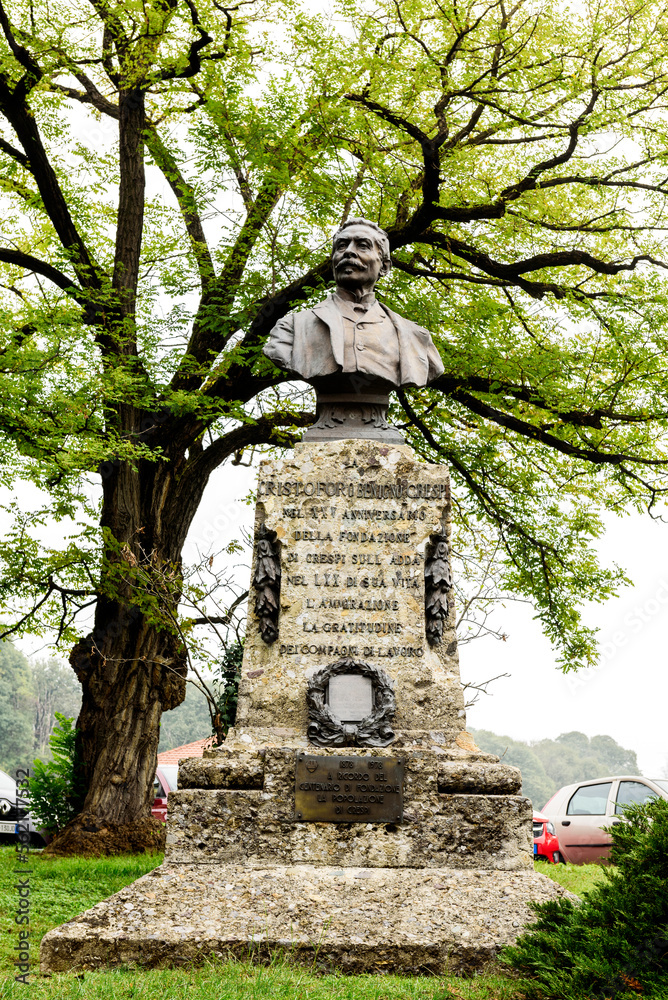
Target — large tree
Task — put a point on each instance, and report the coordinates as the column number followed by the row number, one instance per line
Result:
column 171, row 171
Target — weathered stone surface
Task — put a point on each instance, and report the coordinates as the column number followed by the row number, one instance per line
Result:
column 256, row 824
column 353, row 519
column 247, row 826
column 242, row 738
column 490, row 779
column 241, row 769
column 352, row 919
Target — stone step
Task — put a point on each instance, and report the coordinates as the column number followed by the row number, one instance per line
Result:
column 356, row 920
column 239, row 766
column 438, row 829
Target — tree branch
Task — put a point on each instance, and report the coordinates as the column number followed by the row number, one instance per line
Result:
column 221, row 619
column 194, row 59
column 185, row 197
column 33, row 72
column 209, row 335
column 265, row 430
column 513, row 272
column 498, row 517
column 449, row 384
column 52, row 588
column 90, row 95
column 431, row 179
column 15, row 154
column 15, row 109
column 430, row 210
column 543, row 436
column 30, row 263
column 131, row 198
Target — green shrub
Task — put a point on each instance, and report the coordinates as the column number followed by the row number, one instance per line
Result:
column 614, row 942
column 52, row 785
column 226, row 688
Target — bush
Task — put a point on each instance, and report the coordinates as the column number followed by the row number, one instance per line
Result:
column 614, row 942
column 226, row 689
column 52, row 784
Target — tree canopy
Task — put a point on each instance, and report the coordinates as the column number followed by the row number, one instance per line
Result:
column 31, row 691
column 171, row 172
column 16, row 710
column 55, row 689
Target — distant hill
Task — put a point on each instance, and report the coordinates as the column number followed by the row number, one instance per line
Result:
column 547, row 765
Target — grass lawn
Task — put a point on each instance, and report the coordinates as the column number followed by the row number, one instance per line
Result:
column 62, row 887
column 575, row 878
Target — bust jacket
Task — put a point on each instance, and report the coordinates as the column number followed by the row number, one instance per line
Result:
column 310, row 343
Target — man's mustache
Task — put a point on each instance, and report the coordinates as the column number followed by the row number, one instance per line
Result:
column 350, row 262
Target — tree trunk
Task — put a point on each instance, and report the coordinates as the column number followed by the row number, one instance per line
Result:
column 130, row 670
column 130, row 674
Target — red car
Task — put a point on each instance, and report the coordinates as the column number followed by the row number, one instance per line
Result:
column 545, row 840
column 163, row 784
column 166, row 775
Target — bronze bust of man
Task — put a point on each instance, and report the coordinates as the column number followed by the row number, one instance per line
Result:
column 352, row 348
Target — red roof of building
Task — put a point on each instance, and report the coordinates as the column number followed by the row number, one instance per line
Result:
column 189, row 750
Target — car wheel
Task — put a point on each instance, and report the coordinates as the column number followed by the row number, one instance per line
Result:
column 558, row 858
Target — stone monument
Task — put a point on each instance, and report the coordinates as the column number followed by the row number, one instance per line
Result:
column 349, row 819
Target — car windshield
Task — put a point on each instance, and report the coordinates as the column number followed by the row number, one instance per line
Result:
column 7, row 784
column 661, row 783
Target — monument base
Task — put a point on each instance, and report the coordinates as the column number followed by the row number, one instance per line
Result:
column 461, row 808
column 392, row 845
column 373, row 920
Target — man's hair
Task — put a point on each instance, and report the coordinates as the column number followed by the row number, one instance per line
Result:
column 381, row 238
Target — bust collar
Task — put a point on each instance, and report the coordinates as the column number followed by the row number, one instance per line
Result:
column 343, row 295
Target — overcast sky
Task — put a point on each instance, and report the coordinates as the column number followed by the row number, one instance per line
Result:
column 625, row 696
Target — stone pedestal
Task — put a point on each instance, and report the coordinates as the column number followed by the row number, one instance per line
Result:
column 352, row 522
column 345, row 532
column 461, row 810
column 353, row 415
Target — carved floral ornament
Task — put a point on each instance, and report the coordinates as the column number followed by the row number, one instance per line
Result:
column 437, row 588
column 267, row 583
column 325, row 729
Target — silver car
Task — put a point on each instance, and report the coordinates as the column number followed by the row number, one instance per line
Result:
column 10, row 813
column 582, row 813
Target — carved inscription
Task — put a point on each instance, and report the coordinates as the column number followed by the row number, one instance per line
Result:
column 328, row 649
column 348, row 789
column 344, row 556
column 361, row 490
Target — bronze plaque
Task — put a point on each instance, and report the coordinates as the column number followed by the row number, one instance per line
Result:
column 349, row 789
